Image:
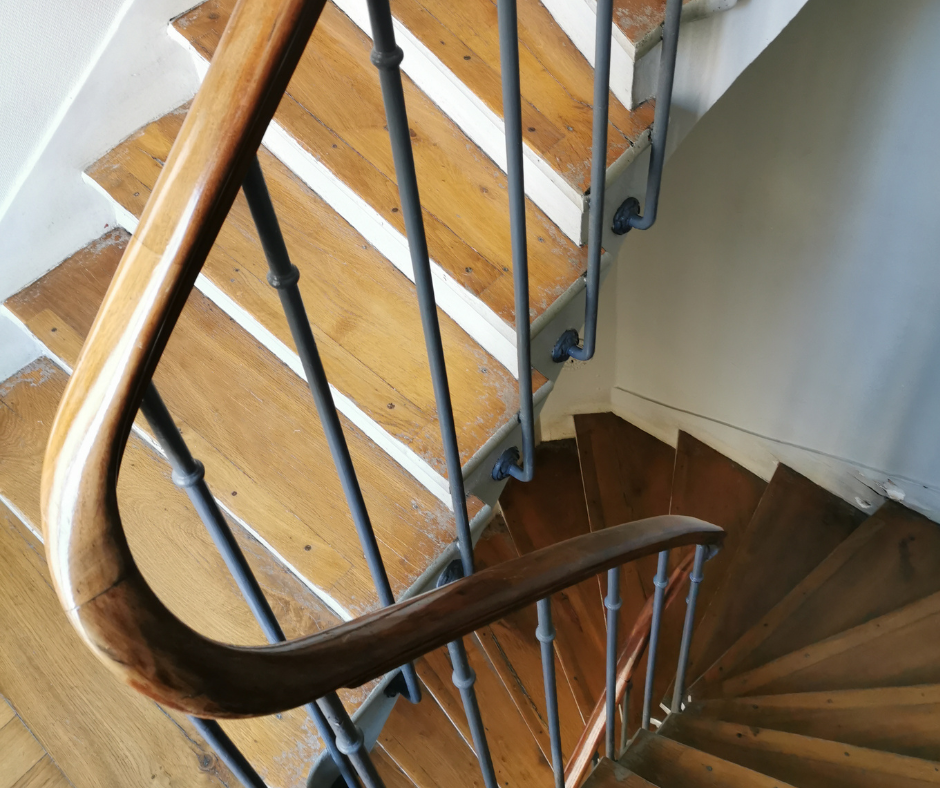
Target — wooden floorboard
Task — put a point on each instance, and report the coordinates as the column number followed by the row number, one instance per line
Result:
column 251, row 421
column 609, row 774
column 363, row 310
column 464, row 193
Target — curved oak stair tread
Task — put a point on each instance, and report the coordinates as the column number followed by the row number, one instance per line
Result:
column 464, row 194
column 610, row 774
column 797, row 524
column 802, row 761
column 362, row 309
column 172, row 547
column 901, row 720
column 220, row 386
column 667, row 763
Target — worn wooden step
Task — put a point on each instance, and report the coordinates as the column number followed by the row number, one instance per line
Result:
column 891, row 560
column 464, row 193
column 610, row 774
column 515, row 654
column 802, row 761
column 178, row 558
column 252, row 422
column 364, row 312
column 796, row 525
column 666, row 763
column 902, row 720
column 895, row 650
column 542, row 512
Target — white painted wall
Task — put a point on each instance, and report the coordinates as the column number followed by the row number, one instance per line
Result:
column 789, row 296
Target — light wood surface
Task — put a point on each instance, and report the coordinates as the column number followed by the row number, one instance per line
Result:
column 902, row 720
column 801, row 760
column 668, row 763
column 610, row 774
column 464, row 193
column 364, row 312
column 19, row 752
column 45, row 774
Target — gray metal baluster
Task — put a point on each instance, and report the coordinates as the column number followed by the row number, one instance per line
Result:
column 625, row 718
column 660, row 582
column 546, row 637
column 613, row 604
column 695, row 580
column 189, row 475
column 387, row 57
column 628, row 215
column 284, row 277
column 350, row 740
column 228, row 753
column 567, row 345
column 512, row 118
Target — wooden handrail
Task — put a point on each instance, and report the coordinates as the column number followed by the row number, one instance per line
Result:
column 579, row 763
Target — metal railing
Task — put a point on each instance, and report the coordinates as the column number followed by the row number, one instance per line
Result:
column 343, row 739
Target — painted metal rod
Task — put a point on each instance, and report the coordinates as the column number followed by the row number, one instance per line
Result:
column 695, row 580
column 464, row 678
column 189, row 475
column 386, row 57
column 625, row 719
column 628, row 215
column 545, row 633
column 350, row 740
column 613, row 604
column 507, row 465
column 283, row 276
column 228, row 753
column 660, row 582
column 567, row 346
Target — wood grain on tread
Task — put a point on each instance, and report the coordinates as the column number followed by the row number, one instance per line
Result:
column 464, row 194
column 796, row 525
column 801, row 760
column 902, row 720
column 388, row 770
column 364, row 312
column 252, row 422
column 544, row 511
column 45, row 774
column 641, row 21
column 895, row 650
column 102, row 734
column 19, row 752
column 515, row 654
column 610, row 774
column 516, row 755
column 179, row 560
column 668, row 763
column 893, row 559
column 557, row 81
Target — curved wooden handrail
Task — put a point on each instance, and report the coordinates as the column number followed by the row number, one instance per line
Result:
column 580, row 761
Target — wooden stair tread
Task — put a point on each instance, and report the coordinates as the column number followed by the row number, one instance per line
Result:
column 363, row 310
column 126, row 740
column 797, row 524
column 893, row 559
column 610, row 774
column 178, row 558
column 901, row 720
column 464, row 194
column 670, row 764
column 253, row 424
column 802, row 761
column 515, row 654
column 894, row 650
column 19, row 752
column 45, row 774
column 641, row 21
column 557, row 81
column 542, row 512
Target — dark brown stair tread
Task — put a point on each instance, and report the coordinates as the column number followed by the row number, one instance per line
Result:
column 253, row 424
column 557, row 81
column 802, row 761
column 464, row 193
column 178, row 558
column 796, row 525
column 515, row 654
column 893, row 559
column 542, row 512
column 895, row 650
column 517, row 758
column 670, row 764
column 363, row 310
column 901, row 720
column 610, row 774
